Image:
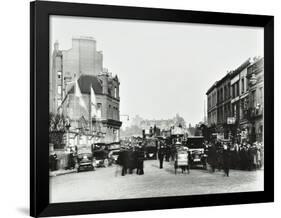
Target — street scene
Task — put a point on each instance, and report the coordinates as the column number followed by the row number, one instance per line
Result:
column 135, row 115
column 90, row 185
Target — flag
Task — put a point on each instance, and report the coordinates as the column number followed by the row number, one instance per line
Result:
column 79, row 95
column 93, row 103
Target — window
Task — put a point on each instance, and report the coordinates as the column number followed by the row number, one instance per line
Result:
column 254, row 98
column 99, row 105
column 59, row 90
column 242, row 85
column 109, row 111
column 115, row 92
column 59, row 102
column 261, row 95
column 59, row 75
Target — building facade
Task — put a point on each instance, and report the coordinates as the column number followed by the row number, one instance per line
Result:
column 223, row 105
column 255, row 107
column 67, row 65
column 82, row 66
column 212, row 105
column 103, row 122
column 238, row 111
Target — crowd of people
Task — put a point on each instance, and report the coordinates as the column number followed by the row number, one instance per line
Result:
column 130, row 159
column 240, row 156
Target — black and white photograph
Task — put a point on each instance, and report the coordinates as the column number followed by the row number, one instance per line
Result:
column 142, row 109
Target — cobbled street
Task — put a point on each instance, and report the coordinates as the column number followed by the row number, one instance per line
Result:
column 107, row 183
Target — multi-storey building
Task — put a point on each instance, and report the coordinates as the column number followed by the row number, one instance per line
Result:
column 238, row 110
column 212, row 105
column 82, row 66
column 223, row 105
column 67, row 65
column 255, row 76
column 105, row 121
column 239, row 97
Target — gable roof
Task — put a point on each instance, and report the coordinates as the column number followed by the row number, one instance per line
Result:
column 85, row 82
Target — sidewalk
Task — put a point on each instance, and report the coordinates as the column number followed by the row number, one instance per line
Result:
column 61, row 172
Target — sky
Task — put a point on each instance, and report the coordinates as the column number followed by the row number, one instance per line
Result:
column 164, row 68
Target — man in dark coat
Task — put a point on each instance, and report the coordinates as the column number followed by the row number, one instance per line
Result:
column 140, row 159
column 132, row 159
column 212, row 157
column 161, row 154
column 226, row 159
column 122, row 160
column 53, row 158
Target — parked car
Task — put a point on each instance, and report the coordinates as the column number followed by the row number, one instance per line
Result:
column 85, row 162
column 84, row 158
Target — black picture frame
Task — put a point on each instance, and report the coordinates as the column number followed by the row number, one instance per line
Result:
column 39, row 107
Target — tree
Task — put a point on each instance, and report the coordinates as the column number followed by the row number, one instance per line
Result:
column 57, row 128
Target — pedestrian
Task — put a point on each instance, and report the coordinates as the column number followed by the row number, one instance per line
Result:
column 53, row 158
column 140, row 160
column 122, row 160
column 168, row 153
column 249, row 157
column 161, row 153
column 253, row 152
column 258, row 156
column 226, row 159
column 131, row 158
column 212, row 157
column 243, row 157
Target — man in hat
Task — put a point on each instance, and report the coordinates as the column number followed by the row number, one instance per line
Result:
column 140, row 159
column 161, row 153
column 226, row 159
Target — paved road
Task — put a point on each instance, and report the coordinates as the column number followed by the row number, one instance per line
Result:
column 107, row 183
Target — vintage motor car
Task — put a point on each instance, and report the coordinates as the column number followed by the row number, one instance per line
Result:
column 113, row 155
column 84, row 158
column 198, row 156
column 150, row 148
column 101, row 158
